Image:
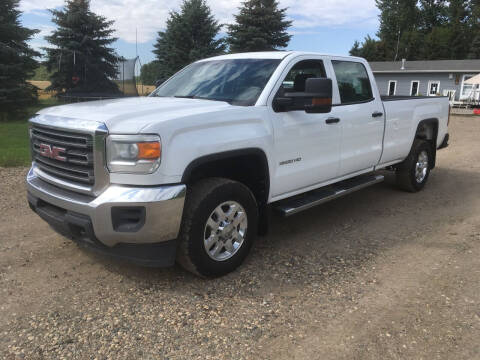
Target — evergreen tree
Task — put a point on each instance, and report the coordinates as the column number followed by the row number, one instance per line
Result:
column 356, row 49
column 81, row 59
column 190, row 35
column 17, row 63
column 260, row 26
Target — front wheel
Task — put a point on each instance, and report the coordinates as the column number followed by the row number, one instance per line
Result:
column 218, row 228
column 413, row 173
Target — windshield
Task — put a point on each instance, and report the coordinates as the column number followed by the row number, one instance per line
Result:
column 236, row 81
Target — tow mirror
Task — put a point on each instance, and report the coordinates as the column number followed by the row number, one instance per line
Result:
column 320, row 91
column 317, row 97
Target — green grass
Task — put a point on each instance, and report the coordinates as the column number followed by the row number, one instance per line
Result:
column 14, row 141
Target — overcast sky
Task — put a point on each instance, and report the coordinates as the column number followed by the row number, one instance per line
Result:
column 329, row 26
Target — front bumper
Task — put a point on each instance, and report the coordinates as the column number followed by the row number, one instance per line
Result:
column 93, row 221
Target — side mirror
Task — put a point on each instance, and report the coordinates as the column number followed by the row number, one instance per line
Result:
column 321, row 93
column 317, row 98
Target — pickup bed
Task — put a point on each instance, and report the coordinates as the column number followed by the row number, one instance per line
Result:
column 190, row 173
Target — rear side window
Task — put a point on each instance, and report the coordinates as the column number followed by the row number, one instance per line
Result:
column 353, row 82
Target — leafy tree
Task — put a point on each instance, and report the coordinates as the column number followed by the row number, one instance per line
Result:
column 397, row 17
column 150, row 73
column 41, row 73
column 260, row 26
column 190, row 35
column 424, row 29
column 433, row 13
column 458, row 29
column 437, row 44
column 81, row 59
column 17, row 62
column 474, row 52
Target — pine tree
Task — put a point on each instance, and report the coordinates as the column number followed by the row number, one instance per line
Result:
column 260, row 26
column 190, row 35
column 17, row 63
column 81, row 60
column 356, row 49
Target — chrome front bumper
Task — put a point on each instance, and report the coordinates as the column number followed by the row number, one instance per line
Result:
column 163, row 209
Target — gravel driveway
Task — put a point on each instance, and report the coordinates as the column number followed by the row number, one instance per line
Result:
column 380, row 274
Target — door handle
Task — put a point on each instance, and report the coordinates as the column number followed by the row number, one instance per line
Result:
column 332, row 120
column 377, row 114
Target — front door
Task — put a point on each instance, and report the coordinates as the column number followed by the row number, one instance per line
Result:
column 307, row 148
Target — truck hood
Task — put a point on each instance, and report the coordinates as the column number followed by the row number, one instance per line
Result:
column 131, row 115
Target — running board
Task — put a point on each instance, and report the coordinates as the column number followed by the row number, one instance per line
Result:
column 313, row 198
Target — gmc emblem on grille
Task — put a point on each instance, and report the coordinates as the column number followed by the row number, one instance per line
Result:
column 52, row 152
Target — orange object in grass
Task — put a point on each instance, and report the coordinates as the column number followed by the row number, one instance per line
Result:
column 149, row 150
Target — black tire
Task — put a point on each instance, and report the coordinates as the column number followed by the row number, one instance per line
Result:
column 406, row 171
column 202, row 199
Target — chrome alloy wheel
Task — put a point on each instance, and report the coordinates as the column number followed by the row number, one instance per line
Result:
column 421, row 167
column 225, row 231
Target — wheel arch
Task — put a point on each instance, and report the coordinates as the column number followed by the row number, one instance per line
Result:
column 248, row 166
column 427, row 129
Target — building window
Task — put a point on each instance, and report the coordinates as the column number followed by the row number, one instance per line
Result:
column 392, row 87
column 433, row 88
column 414, row 87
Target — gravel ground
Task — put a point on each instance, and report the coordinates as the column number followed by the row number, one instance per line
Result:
column 378, row 274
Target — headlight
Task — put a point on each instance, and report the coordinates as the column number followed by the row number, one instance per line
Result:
column 133, row 153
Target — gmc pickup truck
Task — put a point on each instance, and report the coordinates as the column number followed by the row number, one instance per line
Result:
column 190, row 173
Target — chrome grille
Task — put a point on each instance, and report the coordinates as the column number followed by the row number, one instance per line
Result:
column 75, row 158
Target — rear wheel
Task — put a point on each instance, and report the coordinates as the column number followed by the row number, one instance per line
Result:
column 218, row 227
column 413, row 173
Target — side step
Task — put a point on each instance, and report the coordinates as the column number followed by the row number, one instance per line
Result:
column 313, row 198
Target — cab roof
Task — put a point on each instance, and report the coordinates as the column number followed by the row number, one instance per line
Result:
column 268, row 55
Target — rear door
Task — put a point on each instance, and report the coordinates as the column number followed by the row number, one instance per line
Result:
column 361, row 117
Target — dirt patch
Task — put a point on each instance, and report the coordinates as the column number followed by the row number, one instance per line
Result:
column 379, row 274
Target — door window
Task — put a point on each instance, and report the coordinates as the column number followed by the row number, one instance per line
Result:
column 392, row 88
column 353, row 82
column 297, row 77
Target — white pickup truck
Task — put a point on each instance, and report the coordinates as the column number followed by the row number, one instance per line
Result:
column 191, row 172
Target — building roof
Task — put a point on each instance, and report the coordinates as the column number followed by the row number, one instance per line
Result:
column 426, row 66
